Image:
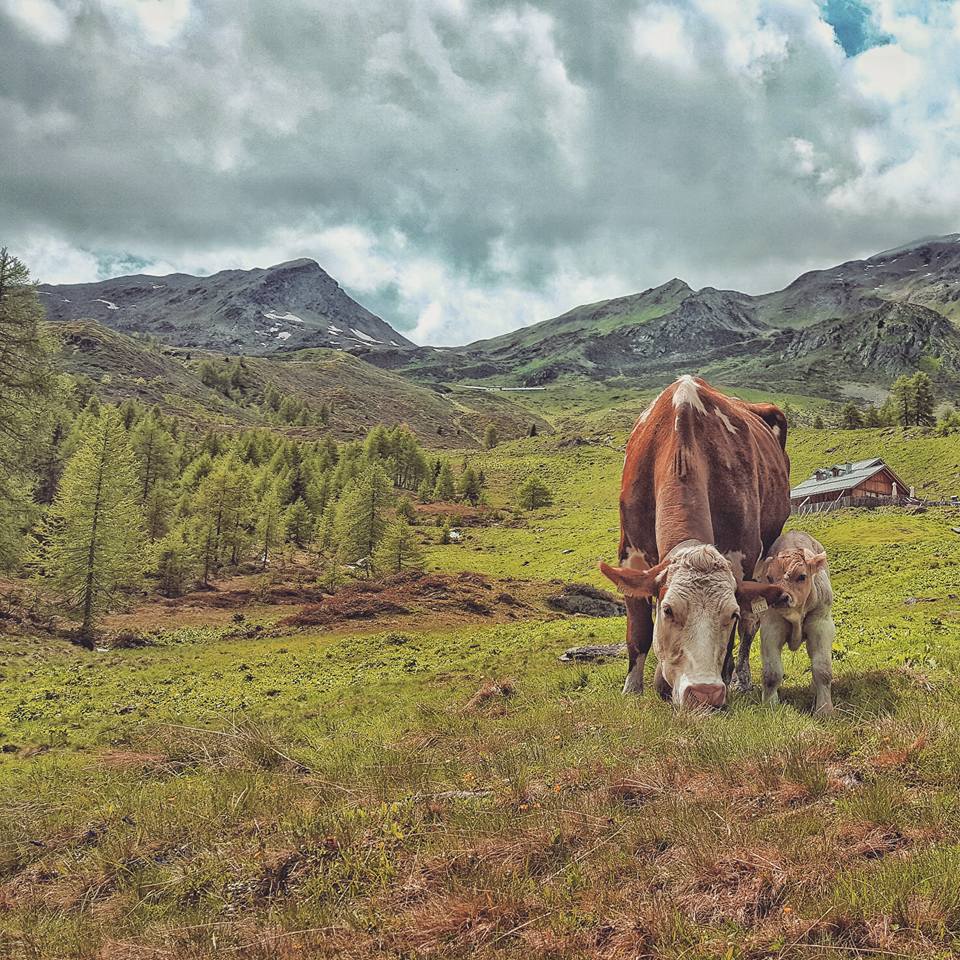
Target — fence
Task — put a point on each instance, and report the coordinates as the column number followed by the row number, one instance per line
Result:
column 825, row 506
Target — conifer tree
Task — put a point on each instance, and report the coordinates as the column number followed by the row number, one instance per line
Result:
column 904, row 400
column 175, row 562
column 399, row 549
column 923, row 400
column 444, row 488
column 469, row 486
column 157, row 510
column 27, row 382
column 533, row 494
column 270, row 527
column 298, row 524
column 490, row 436
column 97, row 521
column 360, row 522
column 155, row 447
column 326, row 532
column 850, row 417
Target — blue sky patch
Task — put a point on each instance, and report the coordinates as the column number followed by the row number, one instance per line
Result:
column 854, row 25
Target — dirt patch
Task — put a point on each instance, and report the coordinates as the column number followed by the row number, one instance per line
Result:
column 461, row 596
column 590, row 601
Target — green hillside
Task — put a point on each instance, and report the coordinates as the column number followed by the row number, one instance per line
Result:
column 360, row 394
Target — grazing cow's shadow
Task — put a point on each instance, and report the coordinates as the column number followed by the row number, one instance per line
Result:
column 873, row 693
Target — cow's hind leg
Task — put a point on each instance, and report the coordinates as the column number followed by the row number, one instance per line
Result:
column 820, row 631
column 746, row 630
column 639, row 638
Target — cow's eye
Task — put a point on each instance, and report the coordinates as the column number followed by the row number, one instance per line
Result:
column 666, row 610
column 801, row 577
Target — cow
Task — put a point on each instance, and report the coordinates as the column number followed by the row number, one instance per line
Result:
column 705, row 492
column 797, row 563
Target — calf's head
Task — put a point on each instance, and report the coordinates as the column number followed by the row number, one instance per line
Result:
column 793, row 572
column 698, row 608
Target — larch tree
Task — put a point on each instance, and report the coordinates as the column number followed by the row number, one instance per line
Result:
column 96, row 541
column 850, row 416
column 155, row 447
column 270, row 527
column 444, row 489
column 27, row 382
column 534, row 494
column 399, row 549
column 360, row 521
column 470, row 485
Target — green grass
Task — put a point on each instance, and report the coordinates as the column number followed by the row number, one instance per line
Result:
column 461, row 793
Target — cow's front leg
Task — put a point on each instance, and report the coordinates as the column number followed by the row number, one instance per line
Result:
column 820, row 631
column 746, row 630
column 774, row 631
column 639, row 638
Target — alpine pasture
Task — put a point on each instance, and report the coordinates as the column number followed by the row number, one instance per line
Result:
column 431, row 784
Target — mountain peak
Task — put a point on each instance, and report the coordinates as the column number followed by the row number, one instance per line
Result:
column 289, row 306
column 300, row 263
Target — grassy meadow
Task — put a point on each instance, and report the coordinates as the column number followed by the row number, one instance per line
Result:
column 459, row 792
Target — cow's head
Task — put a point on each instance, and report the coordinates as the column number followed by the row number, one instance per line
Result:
column 793, row 572
column 698, row 608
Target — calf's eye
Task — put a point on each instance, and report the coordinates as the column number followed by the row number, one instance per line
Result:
column 802, row 577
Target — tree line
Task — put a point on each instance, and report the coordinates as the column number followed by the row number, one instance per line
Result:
column 95, row 496
column 910, row 403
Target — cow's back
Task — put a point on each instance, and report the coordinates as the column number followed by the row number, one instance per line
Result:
column 706, row 467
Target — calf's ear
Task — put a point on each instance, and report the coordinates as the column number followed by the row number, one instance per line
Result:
column 749, row 592
column 642, row 584
column 815, row 561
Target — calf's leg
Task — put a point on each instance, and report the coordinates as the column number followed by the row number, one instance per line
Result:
column 820, row 631
column 774, row 632
column 746, row 630
column 639, row 638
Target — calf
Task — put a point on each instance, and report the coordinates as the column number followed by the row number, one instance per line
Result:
column 798, row 565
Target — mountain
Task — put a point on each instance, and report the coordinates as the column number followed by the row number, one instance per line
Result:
column 846, row 329
column 117, row 366
column 262, row 311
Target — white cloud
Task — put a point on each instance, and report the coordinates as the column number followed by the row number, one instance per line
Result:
column 158, row 21
column 888, row 72
column 659, row 33
column 467, row 166
column 43, row 19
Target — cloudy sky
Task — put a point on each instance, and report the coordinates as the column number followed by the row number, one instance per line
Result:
column 467, row 167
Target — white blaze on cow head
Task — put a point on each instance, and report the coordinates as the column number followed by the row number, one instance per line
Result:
column 696, row 615
column 699, row 606
column 793, row 571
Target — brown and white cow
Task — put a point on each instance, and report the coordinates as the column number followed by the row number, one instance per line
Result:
column 705, row 492
column 797, row 563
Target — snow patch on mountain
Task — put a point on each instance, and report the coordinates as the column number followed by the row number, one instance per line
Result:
column 360, row 335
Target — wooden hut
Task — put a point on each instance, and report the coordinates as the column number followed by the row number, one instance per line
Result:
column 854, row 483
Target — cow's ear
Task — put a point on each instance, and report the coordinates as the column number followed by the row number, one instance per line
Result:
column 748, row 592
column 815, row 561
column 642, row 584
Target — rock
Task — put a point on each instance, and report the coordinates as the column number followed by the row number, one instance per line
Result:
column 593, row 654
column 590, row 601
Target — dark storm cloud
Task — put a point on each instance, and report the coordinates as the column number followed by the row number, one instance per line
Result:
column 465, row 167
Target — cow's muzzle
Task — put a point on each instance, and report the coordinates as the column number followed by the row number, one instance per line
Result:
column 709, row 696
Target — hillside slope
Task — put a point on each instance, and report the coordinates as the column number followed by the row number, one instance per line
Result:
column 287, row 306
column 360, row 395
